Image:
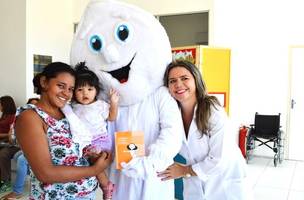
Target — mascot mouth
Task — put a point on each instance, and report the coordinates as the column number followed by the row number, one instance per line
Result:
column 122, row 74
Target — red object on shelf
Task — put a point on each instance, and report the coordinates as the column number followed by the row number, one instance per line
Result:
column 242, row 139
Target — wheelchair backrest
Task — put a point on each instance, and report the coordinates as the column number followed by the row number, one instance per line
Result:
column 266, row 125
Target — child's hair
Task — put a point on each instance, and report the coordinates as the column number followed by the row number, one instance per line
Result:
column 84, row 77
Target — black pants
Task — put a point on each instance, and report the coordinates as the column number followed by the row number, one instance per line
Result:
column 6, row 154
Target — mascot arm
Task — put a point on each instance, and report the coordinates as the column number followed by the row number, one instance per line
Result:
column 166, row 146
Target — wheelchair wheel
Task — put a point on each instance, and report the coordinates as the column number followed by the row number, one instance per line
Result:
column 275, row 159
column 249, row 148
column 281, row 150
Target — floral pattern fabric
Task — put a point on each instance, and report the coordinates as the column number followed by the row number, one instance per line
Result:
column 63, row 152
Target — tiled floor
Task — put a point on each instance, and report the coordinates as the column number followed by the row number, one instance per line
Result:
column 284, row 182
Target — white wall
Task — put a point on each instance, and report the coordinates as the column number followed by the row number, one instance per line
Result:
column 49, row 31
column 12, row 49
column 259, row 33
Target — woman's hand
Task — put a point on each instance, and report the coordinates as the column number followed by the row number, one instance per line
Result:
column 11, row 136
column 103, row 160
column 174, row 171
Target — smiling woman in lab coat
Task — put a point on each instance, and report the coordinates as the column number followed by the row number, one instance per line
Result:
column 215, row 168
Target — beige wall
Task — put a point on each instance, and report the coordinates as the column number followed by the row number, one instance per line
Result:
column 27, row 28
column 12, row 49
column 49, row 32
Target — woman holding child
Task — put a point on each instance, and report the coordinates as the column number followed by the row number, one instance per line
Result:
column 43, row 132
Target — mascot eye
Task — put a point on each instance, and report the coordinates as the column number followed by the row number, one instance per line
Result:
column 96, row 43
column 122, row 33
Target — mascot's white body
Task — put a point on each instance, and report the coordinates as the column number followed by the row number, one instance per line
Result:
column 129, row 50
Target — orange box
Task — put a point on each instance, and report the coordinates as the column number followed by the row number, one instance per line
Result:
column 128, row 144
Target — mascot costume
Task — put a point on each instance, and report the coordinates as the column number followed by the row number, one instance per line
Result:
column 129, row 50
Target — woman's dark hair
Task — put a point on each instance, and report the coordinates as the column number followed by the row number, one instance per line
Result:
column 204, row 101
column 51, row 71
column 32, row 99
column 8, row 105
column 84, row 77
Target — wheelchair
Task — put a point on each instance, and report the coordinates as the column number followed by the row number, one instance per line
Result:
column 265, row 130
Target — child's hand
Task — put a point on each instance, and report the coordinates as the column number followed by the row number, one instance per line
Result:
column 103, row 161
column 114, row 96
column 92, row 157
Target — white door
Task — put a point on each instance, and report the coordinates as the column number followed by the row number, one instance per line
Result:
column 296, row 104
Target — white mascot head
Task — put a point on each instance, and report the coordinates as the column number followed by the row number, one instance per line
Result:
column 125, row 46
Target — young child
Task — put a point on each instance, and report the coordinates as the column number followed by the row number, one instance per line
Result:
column 88, row 117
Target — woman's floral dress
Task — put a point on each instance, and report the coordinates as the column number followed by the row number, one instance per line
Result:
column 63, row 152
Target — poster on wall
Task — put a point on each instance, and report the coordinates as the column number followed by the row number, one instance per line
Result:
column 188, row 53
column 40, row 61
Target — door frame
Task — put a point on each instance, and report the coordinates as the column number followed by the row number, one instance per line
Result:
column 287, row 135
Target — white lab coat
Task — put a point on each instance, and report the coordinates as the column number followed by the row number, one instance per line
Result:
column 159, row 118
column 217, row 161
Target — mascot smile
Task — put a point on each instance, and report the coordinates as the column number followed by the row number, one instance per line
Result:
column 122, row 74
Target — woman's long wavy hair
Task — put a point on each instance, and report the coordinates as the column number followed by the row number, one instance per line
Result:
column 204, row 101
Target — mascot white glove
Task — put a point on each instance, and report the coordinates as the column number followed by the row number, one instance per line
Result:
column 148, row 166
column 138, row 167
